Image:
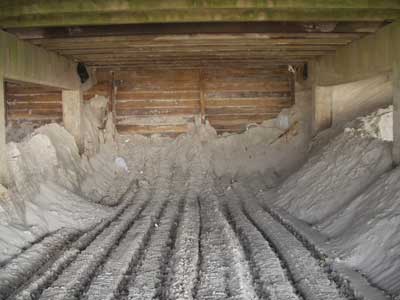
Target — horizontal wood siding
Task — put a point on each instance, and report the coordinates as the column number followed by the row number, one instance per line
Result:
column 149, row 102
column 239, row 97
column 37, row 104
column 166, row 101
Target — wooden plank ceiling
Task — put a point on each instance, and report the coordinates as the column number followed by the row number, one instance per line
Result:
column 164, row 34
column 198, row 45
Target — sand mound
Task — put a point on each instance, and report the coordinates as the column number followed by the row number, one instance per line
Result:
column 366, row 233
column 348, row 190
column 333, row 176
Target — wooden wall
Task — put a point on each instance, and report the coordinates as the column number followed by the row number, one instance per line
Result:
column 34, row 103
column 236, row 98
column 162, row 102
column 166, row 101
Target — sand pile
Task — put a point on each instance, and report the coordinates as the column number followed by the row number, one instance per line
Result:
column 348, row 190
column 333, row 176
column 366, row 232
column 52, row 186
column 273, row 148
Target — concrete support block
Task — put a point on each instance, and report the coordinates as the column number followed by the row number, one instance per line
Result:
column 322, row 108
column 3, row 150
column 72, row 114
column 22, row 61
column 396, row 111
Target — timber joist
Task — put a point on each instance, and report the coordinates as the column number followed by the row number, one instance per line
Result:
column 183, row 34
column 176, row 51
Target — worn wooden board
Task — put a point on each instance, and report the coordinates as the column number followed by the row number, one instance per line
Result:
column 34, row 103
column 229, row 98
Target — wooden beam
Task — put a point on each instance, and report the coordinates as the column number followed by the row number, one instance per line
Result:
column 182, row 55
column 101, row 12
column 33, row 34
column 195, row 38
column 197, row 49
column 174, row 66
column 202, row 97
column 166, row 42
column 112, row 96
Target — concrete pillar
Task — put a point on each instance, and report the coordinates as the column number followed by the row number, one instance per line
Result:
column 396, row 112
column 3, row 150
column 72, row 114
column 322, row 107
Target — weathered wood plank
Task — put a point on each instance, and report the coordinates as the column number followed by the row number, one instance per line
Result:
column 177, row 111
column 124, row 93
column 33, row 105
column 34, row 114
column 239, row 110
column 149, row 129
column 145, row 104
column 199, row 48
column 240, row 119
column 202, row 37
column 205, row 56
column 39, row 97
column 177, row 66
column 212, row 95
column 18, row 90
column 129, row 43
column 242, row 85
column 246, row 102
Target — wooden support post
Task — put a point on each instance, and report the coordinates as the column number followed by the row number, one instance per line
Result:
column 3, row 147
column 396, row 111
column 111, row 94
column 292, row 86
column 202, row 98
column 72, row 114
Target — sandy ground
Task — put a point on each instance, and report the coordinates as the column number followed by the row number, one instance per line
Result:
column 176, row 234
column 155, row 218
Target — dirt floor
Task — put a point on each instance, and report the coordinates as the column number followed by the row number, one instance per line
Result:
column 175, row 235
column 152, row 218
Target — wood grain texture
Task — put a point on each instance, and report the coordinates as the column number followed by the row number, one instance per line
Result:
column 229, row 98
column 33, row 103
